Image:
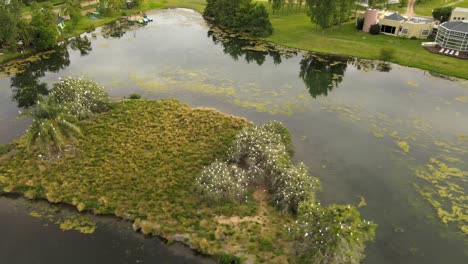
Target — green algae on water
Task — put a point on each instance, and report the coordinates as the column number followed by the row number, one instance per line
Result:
column 403, row 146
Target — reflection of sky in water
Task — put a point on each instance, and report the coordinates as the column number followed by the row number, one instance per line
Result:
column 347, row 138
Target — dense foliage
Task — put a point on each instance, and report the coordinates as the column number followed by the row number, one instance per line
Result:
column 221, row 182
column 442, row 13
column 80, row 96
column 374, row 29
column 326, row 13
column 331, row 235
column 240, row 16
column 44, row 28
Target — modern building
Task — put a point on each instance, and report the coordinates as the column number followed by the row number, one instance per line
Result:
column 458, row 14
column 400, row 26
column 453, row 35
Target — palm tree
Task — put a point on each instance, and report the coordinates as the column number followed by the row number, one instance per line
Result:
column 51, row 125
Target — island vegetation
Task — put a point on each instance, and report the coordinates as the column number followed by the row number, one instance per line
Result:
column 212, row 181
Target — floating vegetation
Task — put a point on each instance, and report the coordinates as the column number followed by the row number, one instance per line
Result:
column 413, row 84
column 377, row 134
column 247, row 95
column 463, row 99
column 403, row 146
column 362, row 201
column 80, row 223
column 444, row 189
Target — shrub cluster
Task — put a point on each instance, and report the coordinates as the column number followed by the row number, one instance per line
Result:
column 80, row 96
column 374, row 29
column 260, row 155
column 331, row 235
column 293, row 186
column 221, row 182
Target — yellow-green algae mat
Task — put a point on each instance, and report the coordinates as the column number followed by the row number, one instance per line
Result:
column 443, row 181
column 138, row 161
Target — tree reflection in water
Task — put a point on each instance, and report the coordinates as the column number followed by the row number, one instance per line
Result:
column 237, row 48
column 83, row 44
column 320, row 73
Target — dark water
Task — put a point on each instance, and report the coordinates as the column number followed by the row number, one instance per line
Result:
column 345, row 115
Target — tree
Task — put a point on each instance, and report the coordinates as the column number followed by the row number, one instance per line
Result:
column 80, row 96
column 240, row 16
column 51, row 126
column 331, row 235
column 377, row 3
column 9, row 13
column 72, row 8
column 109, row 7
column 322, row 12
column 44, row 28
column 442, row 13
column 277, row 5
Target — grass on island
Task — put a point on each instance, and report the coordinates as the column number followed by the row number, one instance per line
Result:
column 139, row 161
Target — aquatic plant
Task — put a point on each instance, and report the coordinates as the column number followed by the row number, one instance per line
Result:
column 51, row 125
column 80, row 96
column 331, row 235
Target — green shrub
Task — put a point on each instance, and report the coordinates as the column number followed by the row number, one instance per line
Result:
column 374, row 29
column 293, row 186
column 387, row 53
column 134, row 96
column 225, row 258
column 331, row 235
column 221, row 182
column 80, row 96
column 279, row 129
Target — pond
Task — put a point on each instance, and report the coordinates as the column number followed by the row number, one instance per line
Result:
column 389, row 138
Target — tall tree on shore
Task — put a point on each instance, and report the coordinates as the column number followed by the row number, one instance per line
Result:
column 9, row 13
column 44, row 27
column 322, row 12
column 72, row 8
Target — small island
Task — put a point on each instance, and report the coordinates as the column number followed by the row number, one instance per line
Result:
column 215, row 182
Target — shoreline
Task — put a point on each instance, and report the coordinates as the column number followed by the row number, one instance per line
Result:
column 422, row 65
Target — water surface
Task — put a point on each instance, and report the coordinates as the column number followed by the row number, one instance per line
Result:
column 347, row 117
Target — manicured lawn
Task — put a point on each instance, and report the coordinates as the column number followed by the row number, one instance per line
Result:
column 138, row 161
column 298, row 32
column 425, row 9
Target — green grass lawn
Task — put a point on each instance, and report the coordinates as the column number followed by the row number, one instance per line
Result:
column 138, row 161
column 425, row 8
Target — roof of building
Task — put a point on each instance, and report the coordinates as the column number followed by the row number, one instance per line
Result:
column 395, row 16
column 461, row 26
column 460, row 9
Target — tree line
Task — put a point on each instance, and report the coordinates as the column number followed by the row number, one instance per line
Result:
column 327, row 13
column 42, row 30
column 240, row 16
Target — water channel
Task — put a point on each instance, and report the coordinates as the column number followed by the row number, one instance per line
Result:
column 369, row 131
